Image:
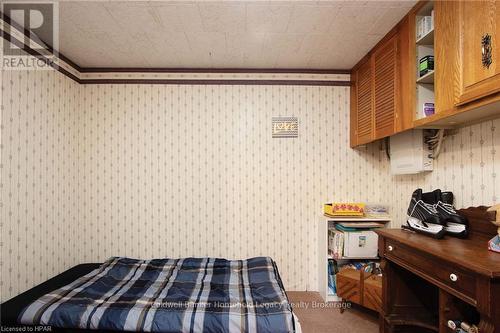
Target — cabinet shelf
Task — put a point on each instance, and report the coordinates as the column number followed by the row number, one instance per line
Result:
column 427, row 39
column 356, row 219
column 427, row 78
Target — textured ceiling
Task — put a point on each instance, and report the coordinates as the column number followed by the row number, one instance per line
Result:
column 243, row 34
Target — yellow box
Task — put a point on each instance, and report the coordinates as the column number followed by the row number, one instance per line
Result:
column 344, row 209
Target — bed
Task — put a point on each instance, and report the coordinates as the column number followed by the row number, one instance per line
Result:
column 159, row 295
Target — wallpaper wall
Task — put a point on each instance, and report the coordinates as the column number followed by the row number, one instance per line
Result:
column 38, row 178
column 92, row 171
column 193, row 171
column 468, row 165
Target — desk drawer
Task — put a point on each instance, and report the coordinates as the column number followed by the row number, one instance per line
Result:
column 457, row 281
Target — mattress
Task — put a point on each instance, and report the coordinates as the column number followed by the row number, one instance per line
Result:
column 11, row 309
column 167, row 295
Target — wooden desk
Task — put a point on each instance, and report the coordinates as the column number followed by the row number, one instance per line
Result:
column 427, row 282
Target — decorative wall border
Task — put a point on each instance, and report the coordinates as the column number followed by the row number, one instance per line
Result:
column 22, row 38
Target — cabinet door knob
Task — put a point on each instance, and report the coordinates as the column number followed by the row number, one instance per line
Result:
column 486, row 49
column 390, row 248
column 453, row 277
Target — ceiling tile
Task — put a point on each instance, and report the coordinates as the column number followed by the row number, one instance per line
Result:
column 208, row 46
column 265, row 34
column 312, row 19
column 268, row 17
column 387, row 20
column 352, row 21
column 222, row 17
column 179, row 17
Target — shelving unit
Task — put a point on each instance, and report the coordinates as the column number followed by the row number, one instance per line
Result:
column 324, row 224
column 424, row 47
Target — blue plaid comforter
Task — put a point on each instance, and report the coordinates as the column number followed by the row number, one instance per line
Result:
column 170, row 295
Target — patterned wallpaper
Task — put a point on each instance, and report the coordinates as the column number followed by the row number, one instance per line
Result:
column 193, row 171
column 93, row 171
column 39, row 178
column 468, row 165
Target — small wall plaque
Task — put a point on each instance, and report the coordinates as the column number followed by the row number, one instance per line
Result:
column 285, row 127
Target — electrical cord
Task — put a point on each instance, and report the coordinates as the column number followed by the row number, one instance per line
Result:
column 387, row 148
column 434, row 142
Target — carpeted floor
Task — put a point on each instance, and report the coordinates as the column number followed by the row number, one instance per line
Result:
column 315, row 318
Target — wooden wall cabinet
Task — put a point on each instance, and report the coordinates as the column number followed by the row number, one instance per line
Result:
column 375, row 102
column 480, row 31
column 387, row 95
column 466, row 92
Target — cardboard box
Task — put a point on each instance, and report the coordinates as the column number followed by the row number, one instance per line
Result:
column 344, row 209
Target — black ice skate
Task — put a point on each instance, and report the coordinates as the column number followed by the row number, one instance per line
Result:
column 423, row 218
column 456, row 224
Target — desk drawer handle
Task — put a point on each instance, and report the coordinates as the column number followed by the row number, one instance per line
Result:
column 453, row 277
column 390, row 248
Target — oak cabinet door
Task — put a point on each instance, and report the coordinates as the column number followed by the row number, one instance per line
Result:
column 447, row 66
column 480, row 26
column 364, row 107
column 384, row 86
column 374, row 95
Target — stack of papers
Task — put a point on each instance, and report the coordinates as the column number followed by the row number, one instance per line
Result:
column 377, row 211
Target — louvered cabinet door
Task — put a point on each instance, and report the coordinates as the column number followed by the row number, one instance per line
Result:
column 364, row 114
column 385, row 82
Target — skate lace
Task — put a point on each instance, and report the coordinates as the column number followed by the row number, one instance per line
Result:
column 449, row 208
column 430, row 207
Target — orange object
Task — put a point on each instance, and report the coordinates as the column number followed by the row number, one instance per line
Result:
column 344, row 209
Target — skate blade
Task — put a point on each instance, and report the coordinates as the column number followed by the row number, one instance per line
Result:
column 431, row 228
column 455, row 228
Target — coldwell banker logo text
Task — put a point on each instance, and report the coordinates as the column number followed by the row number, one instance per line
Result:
column 31, row 31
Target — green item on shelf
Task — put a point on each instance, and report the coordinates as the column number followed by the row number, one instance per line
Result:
column 347, row 229
column 426, row 65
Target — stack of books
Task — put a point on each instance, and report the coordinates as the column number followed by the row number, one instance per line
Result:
column 332, row 281
column 336, row 243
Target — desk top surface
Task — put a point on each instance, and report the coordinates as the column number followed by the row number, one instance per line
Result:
column 471, row 254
